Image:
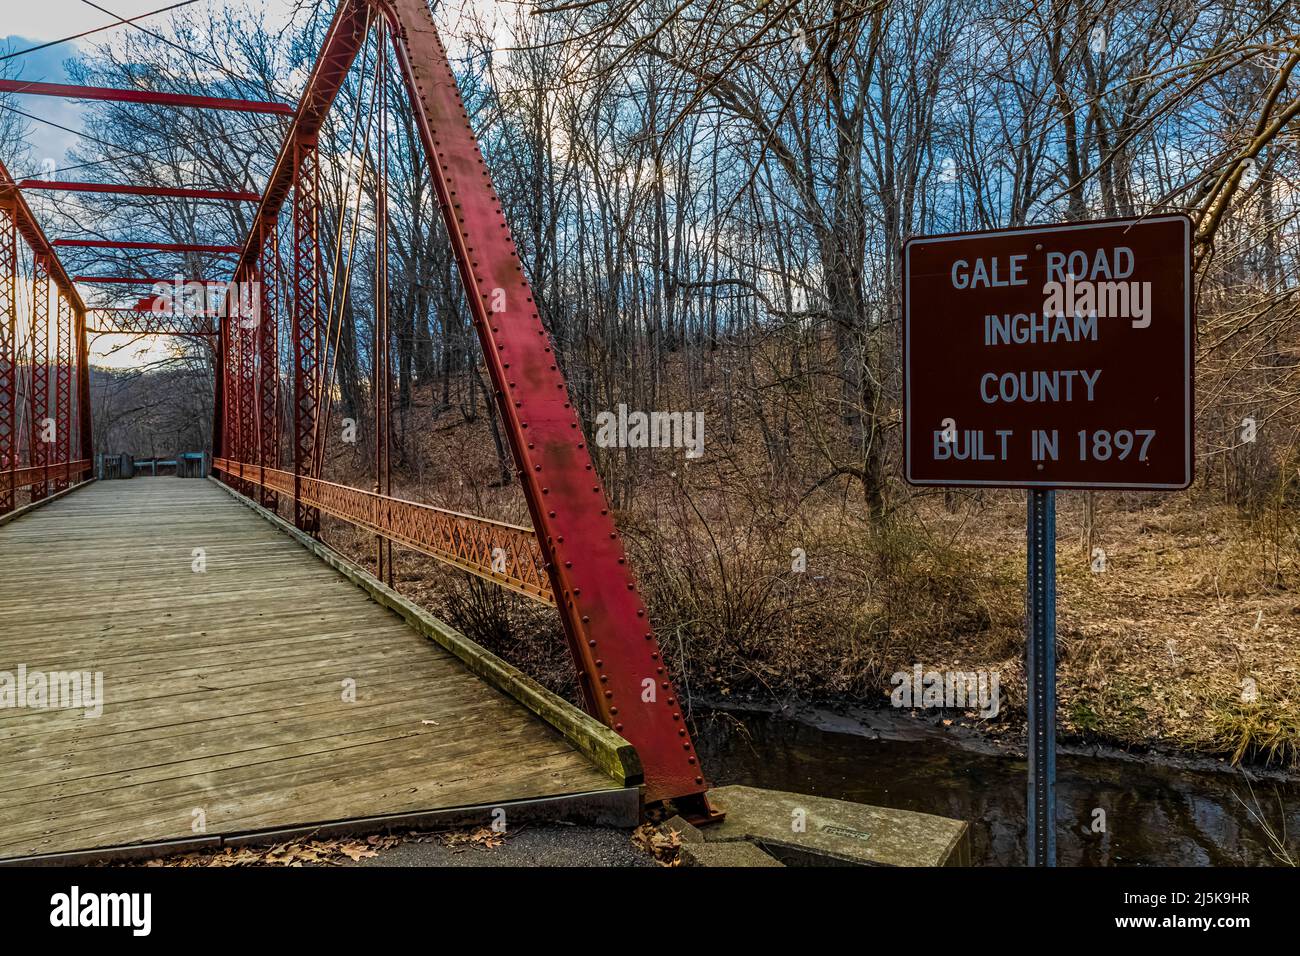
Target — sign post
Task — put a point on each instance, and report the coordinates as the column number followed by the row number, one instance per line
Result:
column 1040, row 672
column 1045, row 358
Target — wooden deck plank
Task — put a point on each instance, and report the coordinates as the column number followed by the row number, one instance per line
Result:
column 223, row 690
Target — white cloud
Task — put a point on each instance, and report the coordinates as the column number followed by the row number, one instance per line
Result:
column 54, row 19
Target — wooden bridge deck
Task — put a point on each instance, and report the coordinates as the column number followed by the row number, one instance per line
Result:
column 224, row 690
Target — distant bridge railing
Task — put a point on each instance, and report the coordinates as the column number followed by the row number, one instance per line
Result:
column 504, row 554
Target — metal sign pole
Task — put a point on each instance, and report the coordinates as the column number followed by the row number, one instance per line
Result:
column 1040, row 672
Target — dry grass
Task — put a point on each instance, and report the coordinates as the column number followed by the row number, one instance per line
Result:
column 1197, row 598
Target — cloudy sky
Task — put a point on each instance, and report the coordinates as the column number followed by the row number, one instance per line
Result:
column 29, row 23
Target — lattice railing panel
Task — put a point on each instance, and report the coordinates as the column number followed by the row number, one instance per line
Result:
column 504, row 554
column 11, row 481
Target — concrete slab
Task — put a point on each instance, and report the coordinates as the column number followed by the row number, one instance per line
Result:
column 686, row 831
column 803, row 830
column 740, row 854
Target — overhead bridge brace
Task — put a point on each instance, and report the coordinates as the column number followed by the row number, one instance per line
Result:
column 167, row 192
column 620, row 666
column 143, row 246
column 151, row 97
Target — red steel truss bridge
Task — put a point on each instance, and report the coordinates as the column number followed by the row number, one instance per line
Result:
column 272, row 335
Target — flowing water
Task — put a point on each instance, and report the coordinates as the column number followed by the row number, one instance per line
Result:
column 1155, row 814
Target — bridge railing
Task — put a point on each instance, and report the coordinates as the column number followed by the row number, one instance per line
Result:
column 60, row 473
column 505, row 554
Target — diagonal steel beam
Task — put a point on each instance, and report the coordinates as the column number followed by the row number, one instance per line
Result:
column 343, row 40
column 620, row 666
column 35, row 238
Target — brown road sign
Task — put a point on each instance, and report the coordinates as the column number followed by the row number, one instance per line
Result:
column 1055, row 356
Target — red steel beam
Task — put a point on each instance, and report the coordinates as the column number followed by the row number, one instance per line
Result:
column 81, row 342
column 249, row 420
column 305, row 326
column 156, row 246
column 128, row 321
column 296, row 174
column 38, row 449
column 268, row 361
column 63, row 371
column 35, row 237
column 8, row 355
column 343, row 40
column 135, row 310
column 151, row 97
column 620, row 665
column 117, row 189
column 140, row 280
